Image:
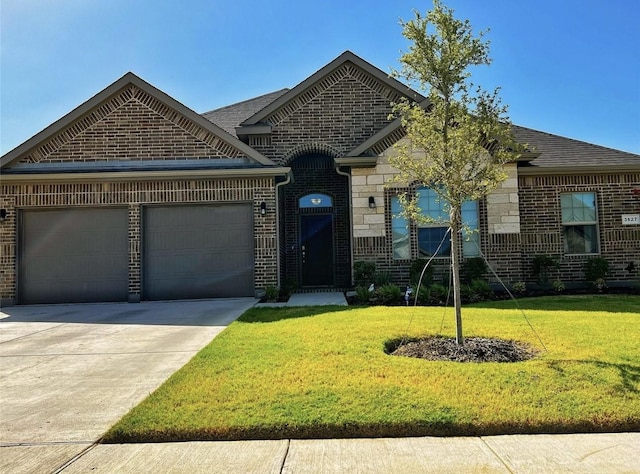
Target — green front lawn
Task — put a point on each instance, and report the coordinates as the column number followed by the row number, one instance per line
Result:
column 322, row 372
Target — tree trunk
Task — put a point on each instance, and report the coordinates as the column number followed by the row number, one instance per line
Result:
column 456, row 227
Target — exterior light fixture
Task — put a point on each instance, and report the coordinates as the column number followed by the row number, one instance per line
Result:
column 316, row 201
column 263, row 208
column 372, row 202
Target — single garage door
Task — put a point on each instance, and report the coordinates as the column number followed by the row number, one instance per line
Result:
column 198, row 251
column 73, row 255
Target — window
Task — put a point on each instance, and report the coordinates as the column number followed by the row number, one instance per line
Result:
column 399, row 232
column 315, row 200
column 579, row 223
column 431, row 235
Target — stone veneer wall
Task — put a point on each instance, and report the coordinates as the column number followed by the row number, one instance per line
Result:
column 499, row 222
column 135, row 195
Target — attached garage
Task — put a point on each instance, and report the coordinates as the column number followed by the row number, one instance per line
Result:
column 73, row 255
column 198, row 251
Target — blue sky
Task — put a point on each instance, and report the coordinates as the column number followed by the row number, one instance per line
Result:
column 568, row 67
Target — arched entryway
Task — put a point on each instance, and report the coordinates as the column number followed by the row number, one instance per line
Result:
column 314, row 225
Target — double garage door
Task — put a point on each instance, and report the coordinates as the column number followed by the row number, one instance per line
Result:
column 82, row 255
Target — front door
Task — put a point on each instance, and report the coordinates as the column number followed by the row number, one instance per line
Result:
column 316, row 249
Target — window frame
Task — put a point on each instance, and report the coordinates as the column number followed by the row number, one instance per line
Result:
column 412, row 229
column 583, row 223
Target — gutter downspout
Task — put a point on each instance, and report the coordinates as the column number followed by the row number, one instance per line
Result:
column 278, row 185
column 348, row 175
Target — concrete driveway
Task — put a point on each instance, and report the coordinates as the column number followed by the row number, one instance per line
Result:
column 69, row 372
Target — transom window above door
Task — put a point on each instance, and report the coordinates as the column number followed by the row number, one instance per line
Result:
column 315, row 200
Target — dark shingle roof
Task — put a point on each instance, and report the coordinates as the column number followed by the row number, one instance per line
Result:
column 230, row 116
column 557, row 152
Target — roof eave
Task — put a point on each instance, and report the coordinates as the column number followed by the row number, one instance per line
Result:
column 146, row 175
column 574, row 170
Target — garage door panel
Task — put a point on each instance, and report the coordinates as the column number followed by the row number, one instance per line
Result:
column 74, row 255
column 199, row 251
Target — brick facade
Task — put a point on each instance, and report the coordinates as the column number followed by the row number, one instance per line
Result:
column 135, row 128
column 136, row 195
column 542, row 226
column 326, row 121
column 134, row 124
column 335, row 116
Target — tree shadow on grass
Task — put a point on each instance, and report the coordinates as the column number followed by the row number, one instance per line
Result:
column 270, row 315
column 629, row 374
column 590, row 302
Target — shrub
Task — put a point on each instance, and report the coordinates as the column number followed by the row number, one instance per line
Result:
column 596, row 268
column 474, row 269
column 288, row 287
column 542, row 266
column 519, row 288
column 363, row 273
column 388, row 293
column 382, row 278
column 271, row 293
column 438, row 293
column 481, row 289
column 422, row 294
column 363, row 294
column 558, row 286
column 416, row 270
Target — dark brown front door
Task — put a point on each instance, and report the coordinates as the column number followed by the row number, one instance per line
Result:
column 316, row 249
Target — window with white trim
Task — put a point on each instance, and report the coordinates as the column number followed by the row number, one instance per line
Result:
column 579, row 223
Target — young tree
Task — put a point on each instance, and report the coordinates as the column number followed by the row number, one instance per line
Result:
column 464, row 133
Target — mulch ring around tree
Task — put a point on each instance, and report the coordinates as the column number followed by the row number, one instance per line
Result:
column 475, row 349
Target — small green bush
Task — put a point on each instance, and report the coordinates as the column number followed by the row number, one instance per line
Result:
column 421, row 295
column 558, row 286
column 542, row 266
column 363, row 273
column 519, row 287
column 438, row 293
column 363, row 294
column 415, row 270
column 481, row 289
column 388, row 293
column 382, row 278
column 271, row 293
column 596, row 268
column 288, row 287
column 474, row 269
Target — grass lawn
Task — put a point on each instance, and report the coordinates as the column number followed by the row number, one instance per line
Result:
column 320, row 372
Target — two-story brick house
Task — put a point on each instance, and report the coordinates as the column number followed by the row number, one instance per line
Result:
column 134, row 196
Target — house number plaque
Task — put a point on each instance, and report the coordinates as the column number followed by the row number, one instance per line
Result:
column 630, row 219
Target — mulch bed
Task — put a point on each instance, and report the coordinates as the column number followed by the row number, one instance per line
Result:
column 475, row 349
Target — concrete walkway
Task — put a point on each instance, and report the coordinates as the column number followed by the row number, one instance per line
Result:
column 323, row 298
column 70, row 371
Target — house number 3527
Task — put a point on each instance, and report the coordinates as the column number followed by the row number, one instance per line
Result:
column 630, row 219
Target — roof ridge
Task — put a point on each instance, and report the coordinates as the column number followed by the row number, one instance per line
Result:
column 235, row 104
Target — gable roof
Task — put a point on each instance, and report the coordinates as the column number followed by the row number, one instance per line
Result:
column 126, row 81
column 292, row 94
column 231, row 116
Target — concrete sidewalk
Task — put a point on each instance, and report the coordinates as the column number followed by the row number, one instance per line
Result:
column 578, row 453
